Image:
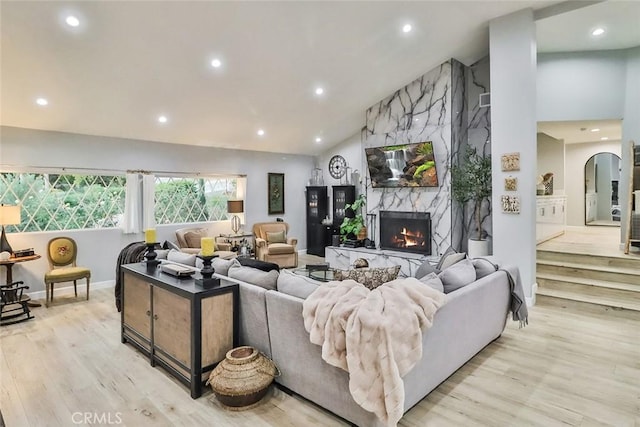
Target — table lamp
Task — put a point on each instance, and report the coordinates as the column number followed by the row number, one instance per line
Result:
column 9, row 215
column 235, row 207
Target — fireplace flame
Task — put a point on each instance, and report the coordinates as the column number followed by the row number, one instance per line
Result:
column 409, row 238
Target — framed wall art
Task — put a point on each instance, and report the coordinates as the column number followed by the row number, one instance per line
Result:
column 511, row 184
column 511, row 204
column 275, row 193
column 510, row 162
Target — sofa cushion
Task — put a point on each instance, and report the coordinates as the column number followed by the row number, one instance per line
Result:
column 264, row 279
column 162, row 253
column 181, row 258
column 276, row 237
column 193, row 237
column 370, row 277
column 458, row 275
column 433, row 280
column 260, row 265
column 280, row 249
column 483, row 267
column 296, row 285
column 221, row 265
column 449, row 258
column 425, row 269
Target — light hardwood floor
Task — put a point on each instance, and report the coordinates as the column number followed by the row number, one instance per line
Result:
column 573, row 365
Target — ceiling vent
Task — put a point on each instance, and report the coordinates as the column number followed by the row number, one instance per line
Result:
column 485, row 99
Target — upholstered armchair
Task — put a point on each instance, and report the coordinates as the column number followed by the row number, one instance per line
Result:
column 274, row 245
column 189, row 242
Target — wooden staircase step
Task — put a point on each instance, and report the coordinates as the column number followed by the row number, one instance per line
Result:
column 622, row 261
column 582, row 266
column 594, row 272
column 591, row 299
column 559, row 279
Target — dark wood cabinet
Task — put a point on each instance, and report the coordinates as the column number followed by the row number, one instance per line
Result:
column 342, row 195
column 317, row 210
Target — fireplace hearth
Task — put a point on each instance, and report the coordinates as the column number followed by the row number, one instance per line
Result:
column 406, row 231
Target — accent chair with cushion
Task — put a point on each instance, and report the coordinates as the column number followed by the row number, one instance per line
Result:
column 62, row 253
column 189, row 242
column 274, row 245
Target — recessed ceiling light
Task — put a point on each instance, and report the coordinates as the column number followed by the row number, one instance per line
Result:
column 318, row 140
column 215, row 63
column 42, row 101
column 595, row 130
column 597, row 32
column 260, row 132
column 72, row 21
column 406, row 28
column 604, row 138
column 162, row 119
column 319, row 91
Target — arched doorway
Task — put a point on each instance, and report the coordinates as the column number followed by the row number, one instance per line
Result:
column 601, row 181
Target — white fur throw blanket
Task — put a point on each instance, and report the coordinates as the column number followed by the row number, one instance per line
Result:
column 375, row 335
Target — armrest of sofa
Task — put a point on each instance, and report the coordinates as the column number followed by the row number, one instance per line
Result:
column 223, row 246
column 190, row 250
column 292, row 241
column 260, row 243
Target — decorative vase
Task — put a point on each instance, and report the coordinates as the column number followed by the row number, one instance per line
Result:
column 242, row 378
column 362, row 234
column 478, row 248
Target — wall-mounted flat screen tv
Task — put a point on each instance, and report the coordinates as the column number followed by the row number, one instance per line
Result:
column 407, row 165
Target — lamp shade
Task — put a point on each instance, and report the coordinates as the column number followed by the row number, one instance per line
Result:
column 235, row 206
column 9, row 215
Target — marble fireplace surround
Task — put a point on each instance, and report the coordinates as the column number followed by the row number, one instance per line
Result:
column 343, row 258
column 440, row 106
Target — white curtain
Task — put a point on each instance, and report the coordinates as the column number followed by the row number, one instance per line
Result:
column 148, row 201
column 132, row 205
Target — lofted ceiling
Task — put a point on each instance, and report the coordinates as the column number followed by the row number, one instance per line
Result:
column 127, row 63
column 580, row 131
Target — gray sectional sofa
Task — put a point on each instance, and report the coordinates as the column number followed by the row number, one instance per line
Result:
column 271, row 320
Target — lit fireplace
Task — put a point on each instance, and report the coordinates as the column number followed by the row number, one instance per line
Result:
column 406, row 231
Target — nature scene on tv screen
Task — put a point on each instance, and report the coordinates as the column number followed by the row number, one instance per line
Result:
column 408, row 165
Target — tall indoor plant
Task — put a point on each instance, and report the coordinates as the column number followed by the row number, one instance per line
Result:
column 353, row 227
column 471, row 182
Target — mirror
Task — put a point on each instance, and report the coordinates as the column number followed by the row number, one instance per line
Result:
column 601, row 179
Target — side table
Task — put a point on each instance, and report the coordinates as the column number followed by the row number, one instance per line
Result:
column 8, row 264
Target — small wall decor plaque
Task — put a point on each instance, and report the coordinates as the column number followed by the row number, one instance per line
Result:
column 510, row 184
column 510, row 162
column 511, row 204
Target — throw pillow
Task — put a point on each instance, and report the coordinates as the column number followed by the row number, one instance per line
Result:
column 458, row 275
column 181, row 258
column 277, row 237
column 296, row 285
column 434, row 281
column 425, row 269
column 220, row 265
column 449, row 258
column 483, row 267
column 260, row 265
column 162, row 253
column 193, row 237
column 263, row 279
column 370, row 277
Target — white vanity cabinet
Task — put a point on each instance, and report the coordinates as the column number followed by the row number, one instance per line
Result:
column 550, row 217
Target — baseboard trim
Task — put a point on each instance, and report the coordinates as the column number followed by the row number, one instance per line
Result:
column 68, row 290
column 531, row 301
column 302, row 252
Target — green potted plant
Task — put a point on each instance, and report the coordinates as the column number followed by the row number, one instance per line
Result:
column 353, row 227
column 471, row 182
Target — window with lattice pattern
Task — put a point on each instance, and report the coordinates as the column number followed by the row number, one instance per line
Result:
column 63, row 202
column 180, row 200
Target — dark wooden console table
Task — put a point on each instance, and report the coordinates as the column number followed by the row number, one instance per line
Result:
column 179, row 325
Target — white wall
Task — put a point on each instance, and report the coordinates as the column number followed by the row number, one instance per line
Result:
column 630, row 130
column 575, row 175
column 581, row 85
column 99, row 248
column 512, row 48
column 551, row 159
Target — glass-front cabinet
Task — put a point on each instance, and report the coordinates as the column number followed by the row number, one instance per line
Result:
column 317, row 210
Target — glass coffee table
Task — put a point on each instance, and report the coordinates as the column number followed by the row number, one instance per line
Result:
column 319, row 272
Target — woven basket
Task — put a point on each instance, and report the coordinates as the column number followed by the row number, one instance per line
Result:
column 243, row 377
